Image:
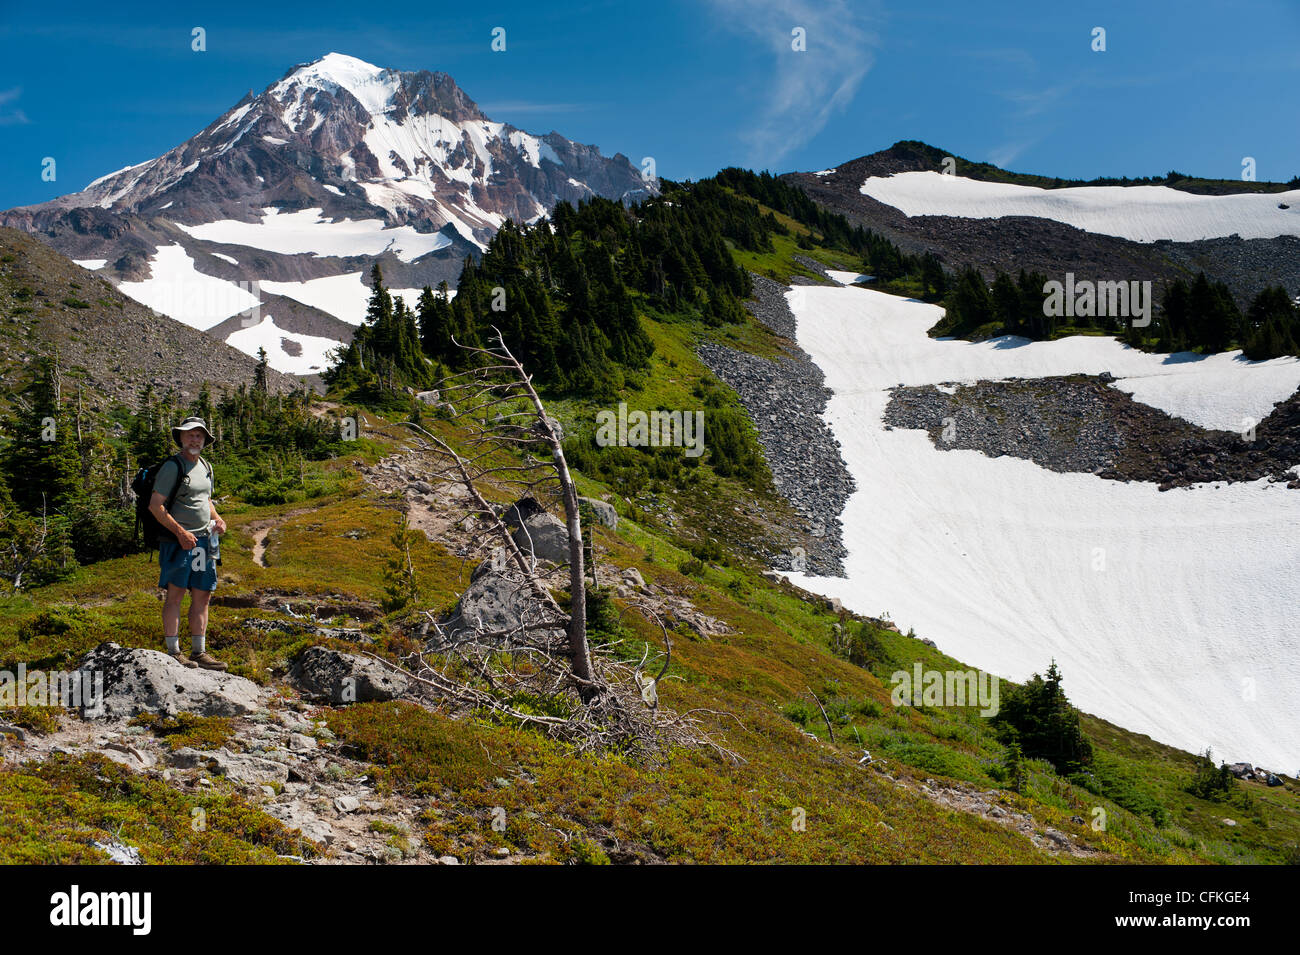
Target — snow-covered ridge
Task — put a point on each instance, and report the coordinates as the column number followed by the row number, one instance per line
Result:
column 1139, row 213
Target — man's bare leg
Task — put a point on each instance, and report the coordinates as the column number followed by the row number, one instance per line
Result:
column 171, row 611
column 199, row 613
column 198, row 629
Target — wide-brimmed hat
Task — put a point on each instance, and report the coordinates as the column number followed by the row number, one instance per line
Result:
column 189, row 424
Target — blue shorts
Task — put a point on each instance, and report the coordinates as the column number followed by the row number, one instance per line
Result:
column 177, row 565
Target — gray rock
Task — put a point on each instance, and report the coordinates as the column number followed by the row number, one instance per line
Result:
column 149, row 681
column 603, row 510
column 493, row 601
column 127, row 755
column 1241, row 770
column 346, row 804
column 544, row 536
column 237, row 767
column 297, row 816
column 632, row 577
column 301, row 744
column 448, row 860
column 345, row 678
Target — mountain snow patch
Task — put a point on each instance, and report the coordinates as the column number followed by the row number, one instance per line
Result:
column 309, row 231
column 313, row 350
column 343, row 296
column 177, row 289
column 1139, row 213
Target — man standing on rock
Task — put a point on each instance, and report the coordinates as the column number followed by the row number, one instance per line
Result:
column 185, row 560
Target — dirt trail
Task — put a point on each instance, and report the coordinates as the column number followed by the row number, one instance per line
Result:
column 261, row 528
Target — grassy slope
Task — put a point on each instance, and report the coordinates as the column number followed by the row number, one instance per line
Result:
column 753, row 684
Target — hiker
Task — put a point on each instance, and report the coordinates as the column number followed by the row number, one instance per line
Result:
column 185, row 561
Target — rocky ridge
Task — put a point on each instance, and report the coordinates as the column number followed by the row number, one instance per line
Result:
column 786, row 398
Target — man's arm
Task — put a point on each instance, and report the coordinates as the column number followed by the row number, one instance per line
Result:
column 158, row 508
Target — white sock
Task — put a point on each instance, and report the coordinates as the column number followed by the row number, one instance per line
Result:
column 196, row 642
column 173, row 644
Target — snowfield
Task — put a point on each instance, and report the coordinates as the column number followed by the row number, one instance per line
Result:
column 179, row 290
column 1171, row 614
column 343, row 296
column 1140, row 213
column 266, row 334
column 292, row 233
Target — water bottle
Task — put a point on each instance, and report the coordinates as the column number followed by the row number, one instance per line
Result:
column 214, row 543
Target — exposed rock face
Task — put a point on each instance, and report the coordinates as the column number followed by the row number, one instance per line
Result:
column 238, row 767
column 544, row 536
column 150, row 681
column 345, row 678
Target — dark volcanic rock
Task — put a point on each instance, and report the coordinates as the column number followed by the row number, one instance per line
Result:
column 1079, row 423
column 786, row 398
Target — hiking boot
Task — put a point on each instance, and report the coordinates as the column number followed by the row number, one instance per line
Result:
column 182, row 659
column 207, row 662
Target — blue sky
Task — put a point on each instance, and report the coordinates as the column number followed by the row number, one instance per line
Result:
column 1194, row 85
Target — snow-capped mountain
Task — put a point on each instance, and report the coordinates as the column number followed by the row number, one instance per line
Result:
column 302, row 187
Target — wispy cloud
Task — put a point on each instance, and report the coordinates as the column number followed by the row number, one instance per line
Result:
column 11, row 115
column 807, row 87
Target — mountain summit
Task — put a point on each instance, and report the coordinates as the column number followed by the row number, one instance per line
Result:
column 304, row 186
column 356, row 140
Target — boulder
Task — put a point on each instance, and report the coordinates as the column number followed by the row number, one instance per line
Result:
column 545, row 537
column 1241, row 770
column 150, row 681
column 520, row 511
column 238, row 767
column 632, row 577
column 494, row 600
column 603, row 510
column 326, row 674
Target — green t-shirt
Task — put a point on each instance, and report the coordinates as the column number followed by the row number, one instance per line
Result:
column 193, row 505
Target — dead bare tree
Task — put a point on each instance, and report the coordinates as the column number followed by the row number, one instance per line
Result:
column 508, row 447
column 22, row 544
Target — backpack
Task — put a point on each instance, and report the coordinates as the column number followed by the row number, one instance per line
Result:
column 146, row 525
